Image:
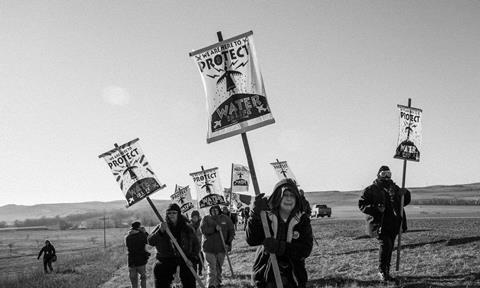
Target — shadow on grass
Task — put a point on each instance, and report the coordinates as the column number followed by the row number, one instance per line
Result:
column 413, row 245
column 408, row 231
column 453, row 281
column 460, row 241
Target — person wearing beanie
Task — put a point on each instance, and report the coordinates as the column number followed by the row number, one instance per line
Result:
column 291, row 240
column 196, row 219
column 212, row 225
column 381, row 204
column 135, row 240
column 167, row 255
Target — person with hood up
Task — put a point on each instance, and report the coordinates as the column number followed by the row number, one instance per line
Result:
column 135, row 241
column 381, row 202
column 167, row 255
column 212, row 225
column 196, row 219
column 49, row 256
column 291, row 241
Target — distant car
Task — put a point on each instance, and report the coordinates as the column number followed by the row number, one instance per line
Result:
column 320, row 210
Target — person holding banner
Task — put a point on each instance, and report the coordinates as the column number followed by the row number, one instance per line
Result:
column 195, row 222
column 381, row 202
column 168, row 257
column 293, row 240
column 135, row 241
column 213, row 246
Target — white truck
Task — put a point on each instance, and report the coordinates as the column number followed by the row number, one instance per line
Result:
column 320, row 210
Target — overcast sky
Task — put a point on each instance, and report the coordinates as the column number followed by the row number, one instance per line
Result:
column 78, row 76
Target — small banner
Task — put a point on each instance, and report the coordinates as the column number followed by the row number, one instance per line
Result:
column 209, row 189
column 282, row 170
column 183, row 198
column 240, row 178
column 409, row 133
column 132, row 171
column 236, row 98
column 238, row 200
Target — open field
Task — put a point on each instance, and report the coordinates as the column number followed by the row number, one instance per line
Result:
column 437, row 252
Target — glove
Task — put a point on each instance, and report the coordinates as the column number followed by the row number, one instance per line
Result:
column 228, row 247
column 272, row 245
column 402, row 191
column 260, row 204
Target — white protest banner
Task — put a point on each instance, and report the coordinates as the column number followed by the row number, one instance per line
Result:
column 132, row 171
column 282, row 170
column 183, row 198
column 236, row 98
column 209, row 189
column 238, row 200
column 240, row 178
column 409, row 133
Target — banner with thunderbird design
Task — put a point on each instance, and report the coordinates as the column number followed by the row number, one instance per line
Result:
column 183, row 198
column 209, row 189
column 236, row 98
column 409, row 133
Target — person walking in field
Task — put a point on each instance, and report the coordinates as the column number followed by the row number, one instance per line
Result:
column 381, row 202
column 168, row 258
column 135, row 241
column 212, row 225
column 291, row 240
column 49, row 256
column 195, row 222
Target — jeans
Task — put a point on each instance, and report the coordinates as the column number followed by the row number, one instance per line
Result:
column 214, row 268
column 47, row 261
column 133, row 274
column 387, row 242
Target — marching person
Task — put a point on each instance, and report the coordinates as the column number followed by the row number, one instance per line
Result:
column 245, row 216
column 135, row 241
column 381, row 202
column 168, row 258
column 212, row 225
column 49, row 256
column 195, row 222
column 291, row 240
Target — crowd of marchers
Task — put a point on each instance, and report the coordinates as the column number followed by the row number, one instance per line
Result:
column 200, row 245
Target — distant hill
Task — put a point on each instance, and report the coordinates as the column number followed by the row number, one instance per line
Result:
column 350, row 198
column 10, row 213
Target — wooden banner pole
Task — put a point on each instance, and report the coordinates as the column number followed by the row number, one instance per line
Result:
column 169, row 233
column 226, row 252
column 399, row 245
column 263, row 215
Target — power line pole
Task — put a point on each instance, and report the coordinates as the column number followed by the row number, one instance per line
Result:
column 104, row 218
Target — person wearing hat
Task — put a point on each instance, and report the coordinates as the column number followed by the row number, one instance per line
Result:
column 135, row 240
column 212, row 225
column 49, row 256
column 381, row 202
column 196, row 219
column 167, row 255
column 291, row 240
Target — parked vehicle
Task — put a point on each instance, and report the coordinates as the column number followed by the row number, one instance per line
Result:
column 321, row 210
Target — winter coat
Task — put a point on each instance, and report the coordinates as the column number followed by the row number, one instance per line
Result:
column 296, row 238
column 196, row 228
column 386, row 193
column 212, row 242
column 48, row 252
column 136, row 241
column 185, row 236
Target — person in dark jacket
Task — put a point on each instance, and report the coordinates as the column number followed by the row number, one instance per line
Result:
column 195, row 222
column 291, row 240
column 381, row 202
column 212, row 225
column 135, row 241
column 167, row 255
column 48, row 256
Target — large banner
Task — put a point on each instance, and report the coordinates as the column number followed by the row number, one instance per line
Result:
column 240, row 178
column 236, row 99
column 132, row 171
column 409, row 133
column 209, row 189
column 183, row 198
column 282, row 170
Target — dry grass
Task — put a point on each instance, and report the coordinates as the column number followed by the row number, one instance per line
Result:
column 435, row 253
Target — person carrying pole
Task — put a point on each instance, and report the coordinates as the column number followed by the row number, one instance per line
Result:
column 381, row 202
column 292, row 239
column 168, row 258
column 214, row 248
